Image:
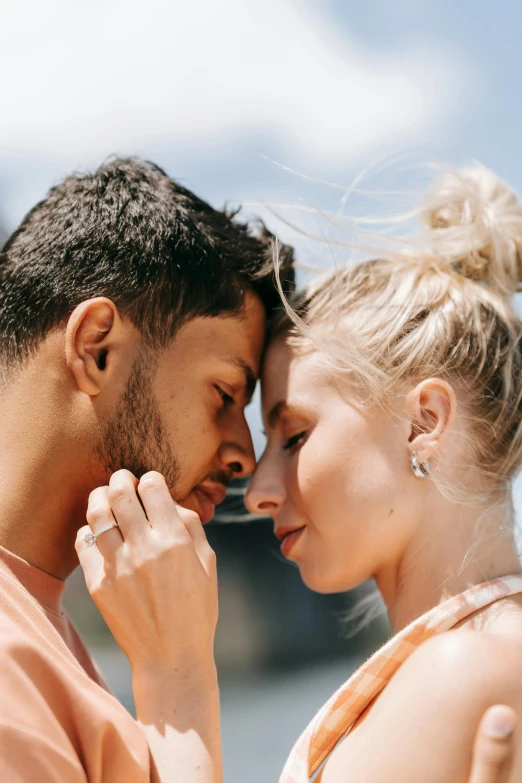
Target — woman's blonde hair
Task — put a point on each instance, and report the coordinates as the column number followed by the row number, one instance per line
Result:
column 444, row 310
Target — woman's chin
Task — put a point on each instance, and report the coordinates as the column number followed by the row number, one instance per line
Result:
column 322, row 581
column 325, row 581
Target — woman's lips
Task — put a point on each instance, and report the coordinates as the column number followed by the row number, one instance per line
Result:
column 289, row 537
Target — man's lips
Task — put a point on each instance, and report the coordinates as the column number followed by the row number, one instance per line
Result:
column 216, row 492
column 208, row 495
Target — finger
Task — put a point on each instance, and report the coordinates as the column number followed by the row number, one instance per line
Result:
column 494, row 746
column 125, row 505
column 197, row 533
column 99, row 517
column 158, row 504
column 91, row 559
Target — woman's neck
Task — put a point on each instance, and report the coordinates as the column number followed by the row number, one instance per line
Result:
column 453, row 547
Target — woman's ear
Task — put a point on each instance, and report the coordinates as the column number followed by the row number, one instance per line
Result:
column 93, row 330
column 431, row 407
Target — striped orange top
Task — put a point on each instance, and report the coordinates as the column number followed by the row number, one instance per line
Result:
column 335, row 719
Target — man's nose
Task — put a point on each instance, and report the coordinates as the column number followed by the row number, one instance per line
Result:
column 237, row 454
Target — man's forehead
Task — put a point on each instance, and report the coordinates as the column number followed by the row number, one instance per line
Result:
column 249, row 373
column 212, row 339
column 226, row 330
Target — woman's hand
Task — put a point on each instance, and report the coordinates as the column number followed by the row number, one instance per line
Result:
column 153, row 577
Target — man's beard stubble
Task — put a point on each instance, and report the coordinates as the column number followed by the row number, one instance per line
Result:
column 135, row 437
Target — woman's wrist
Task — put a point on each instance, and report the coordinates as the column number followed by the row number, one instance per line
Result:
column 177, row 708
column 194, row 677
column 175, row 670
column 174, row 687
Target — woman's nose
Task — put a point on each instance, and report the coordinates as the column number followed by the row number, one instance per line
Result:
column 264, row 496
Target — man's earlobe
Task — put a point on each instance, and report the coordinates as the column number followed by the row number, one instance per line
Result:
column 88, row 338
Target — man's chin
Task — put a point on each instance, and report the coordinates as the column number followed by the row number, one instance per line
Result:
column 198, row 501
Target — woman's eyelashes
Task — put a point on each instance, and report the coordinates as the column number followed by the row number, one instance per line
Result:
column 295, row 441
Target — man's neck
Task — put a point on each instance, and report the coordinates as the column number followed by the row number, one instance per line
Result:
column 44, row 479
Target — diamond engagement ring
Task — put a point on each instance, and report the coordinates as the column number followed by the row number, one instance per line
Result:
column 90, row 538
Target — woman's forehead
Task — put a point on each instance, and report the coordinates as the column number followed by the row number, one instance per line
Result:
column 287, row 371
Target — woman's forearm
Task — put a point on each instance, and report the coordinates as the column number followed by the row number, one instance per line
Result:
column 153, row 577
column 180, row 718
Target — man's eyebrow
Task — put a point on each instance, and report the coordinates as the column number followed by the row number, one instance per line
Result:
column 248, row 373
column 275, row 413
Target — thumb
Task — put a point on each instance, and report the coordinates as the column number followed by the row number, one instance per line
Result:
column 494, row 747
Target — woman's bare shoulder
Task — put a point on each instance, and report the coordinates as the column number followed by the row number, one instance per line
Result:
column 464, row 656
column 422, row 726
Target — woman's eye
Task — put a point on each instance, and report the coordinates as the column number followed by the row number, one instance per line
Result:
column 227, row 399
column 295, row 440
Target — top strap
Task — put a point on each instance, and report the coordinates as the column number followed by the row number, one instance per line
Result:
column 340, row 712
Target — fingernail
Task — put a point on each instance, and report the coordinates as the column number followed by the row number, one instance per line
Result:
column 499, row 722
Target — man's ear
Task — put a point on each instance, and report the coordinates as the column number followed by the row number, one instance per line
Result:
column 92, row 332
column 431, row 407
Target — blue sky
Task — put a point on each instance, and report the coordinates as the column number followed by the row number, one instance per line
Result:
column 208, row 90
column 487, row 36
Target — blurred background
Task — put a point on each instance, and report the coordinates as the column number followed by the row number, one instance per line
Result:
column 257, row 102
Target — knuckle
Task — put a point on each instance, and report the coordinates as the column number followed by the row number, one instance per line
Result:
column 152, row 480
column 495, row 753
column 100, row 493
column 121, row 475
column 119, row 492
column 180, row 544
column 187, row 515
column 144, row 561
column 97, row 513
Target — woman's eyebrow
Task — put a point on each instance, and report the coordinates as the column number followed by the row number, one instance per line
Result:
column 276, row 412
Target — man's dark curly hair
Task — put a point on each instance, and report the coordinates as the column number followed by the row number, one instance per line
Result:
column 130, row 233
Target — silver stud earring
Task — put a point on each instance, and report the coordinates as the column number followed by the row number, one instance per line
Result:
column 420, row 469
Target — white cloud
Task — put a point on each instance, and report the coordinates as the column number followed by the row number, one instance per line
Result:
column 82, row 79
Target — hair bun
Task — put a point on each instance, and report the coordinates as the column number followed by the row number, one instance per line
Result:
column 474, row 221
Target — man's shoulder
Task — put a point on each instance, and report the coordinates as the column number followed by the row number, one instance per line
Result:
column 35, row 737
column 30, row 647
column 21, row 652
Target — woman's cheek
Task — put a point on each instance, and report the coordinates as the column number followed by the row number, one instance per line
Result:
column 320, row 470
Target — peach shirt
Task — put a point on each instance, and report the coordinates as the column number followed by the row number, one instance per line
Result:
column 58, row 722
